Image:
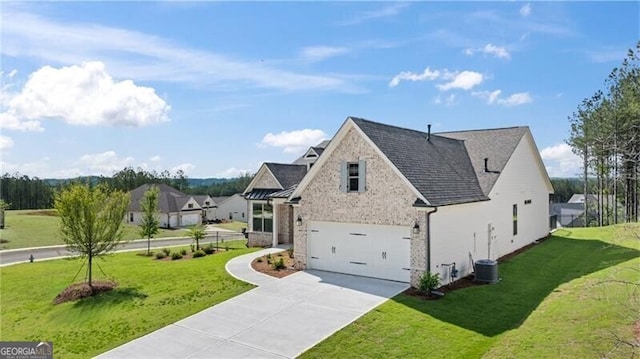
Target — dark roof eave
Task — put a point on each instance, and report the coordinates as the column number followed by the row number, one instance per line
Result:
column 295, row 200
column 421, row 204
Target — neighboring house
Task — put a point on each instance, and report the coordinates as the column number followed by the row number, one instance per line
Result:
column 176, row 209
column 567, row 214
column 389, row 202
column 231, row 208
column 208, row 207
column 593, row 198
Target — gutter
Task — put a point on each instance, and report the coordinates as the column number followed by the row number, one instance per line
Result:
column 421, row 205
column 428, row 238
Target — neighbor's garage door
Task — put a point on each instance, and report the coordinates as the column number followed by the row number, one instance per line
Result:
column 189, row 219
column 361, row 249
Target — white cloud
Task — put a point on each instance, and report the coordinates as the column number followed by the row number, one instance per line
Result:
column 105, row 163
column 5, row 143
column 187, row 168
column 84, row 95
column 294, row 141
column 493, row 97
column 155, row 159
column 525, row 10
column 426, row 75
column 319, row 53
column 496, row 51
column 12, row 73
column 447, row 101
column 11, row 122
column 142, row 57
column 560, row 161
column 516, row 99
column 490, row 49
column 385, row 12
column 233, row 172
column 465, row 80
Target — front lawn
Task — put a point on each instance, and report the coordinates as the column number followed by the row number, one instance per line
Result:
column 37, row 228
column 550, row 303
column 151, row 294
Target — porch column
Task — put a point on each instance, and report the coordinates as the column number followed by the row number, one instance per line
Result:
column 275, row 226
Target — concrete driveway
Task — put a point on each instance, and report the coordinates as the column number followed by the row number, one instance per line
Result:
column 279, row 319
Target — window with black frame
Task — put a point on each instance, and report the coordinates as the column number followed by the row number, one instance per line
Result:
column 262, row 217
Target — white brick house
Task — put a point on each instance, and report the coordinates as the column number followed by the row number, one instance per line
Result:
column 392, row 203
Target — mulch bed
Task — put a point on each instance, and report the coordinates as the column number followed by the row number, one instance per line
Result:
column 78, row 291
column 467, row 281
column 265, row 267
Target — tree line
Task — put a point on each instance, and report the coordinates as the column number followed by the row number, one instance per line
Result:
column 605, row 133
column 24, row 192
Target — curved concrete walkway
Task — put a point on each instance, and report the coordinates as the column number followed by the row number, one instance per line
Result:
column 281, row 318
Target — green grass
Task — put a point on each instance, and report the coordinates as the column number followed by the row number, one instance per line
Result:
column 151, row 294
column 233, row 226
column 36, row 228
column 550, row 303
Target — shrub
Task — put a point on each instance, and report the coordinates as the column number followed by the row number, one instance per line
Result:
column 145, row 254
column 198, row 254
column 175, row 256
column 193, row 248
column 183, row 252
column 278, row 264
column 166, row 251
column 209, row 250
column 160, row 255
column 428, row 282
column 259, row 260
column 290, row 251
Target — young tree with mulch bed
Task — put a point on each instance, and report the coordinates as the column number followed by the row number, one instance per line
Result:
column 91, row 220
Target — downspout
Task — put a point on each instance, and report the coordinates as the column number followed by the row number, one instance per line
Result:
column 428, row 238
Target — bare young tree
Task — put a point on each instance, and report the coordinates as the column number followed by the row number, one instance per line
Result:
column 149, row 205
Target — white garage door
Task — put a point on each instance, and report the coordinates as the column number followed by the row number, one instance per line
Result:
column 361, row 249
column 189, row 219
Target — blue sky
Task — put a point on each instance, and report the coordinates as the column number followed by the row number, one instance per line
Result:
column 216, row 88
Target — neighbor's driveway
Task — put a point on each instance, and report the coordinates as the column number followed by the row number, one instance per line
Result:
column 280, row 319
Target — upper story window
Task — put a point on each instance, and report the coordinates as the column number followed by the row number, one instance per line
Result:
column 527, row 201
column 353, row 177
column 206, row 203
column 190, row 205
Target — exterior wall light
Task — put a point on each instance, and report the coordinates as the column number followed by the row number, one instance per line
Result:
column 299, row 221
column 416, row 228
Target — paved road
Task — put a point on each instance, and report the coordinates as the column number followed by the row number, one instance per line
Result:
column 13, row 256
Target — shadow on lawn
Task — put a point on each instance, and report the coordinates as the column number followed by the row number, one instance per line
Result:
column 526, row 280
column 115, row 296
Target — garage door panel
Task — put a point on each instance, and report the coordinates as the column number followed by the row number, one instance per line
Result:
column 368, row 250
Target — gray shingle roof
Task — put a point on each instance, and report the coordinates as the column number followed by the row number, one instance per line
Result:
column 288, row 175
column 440, row 169
column 166, row 200
column 218, row 200
column 495, row 144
